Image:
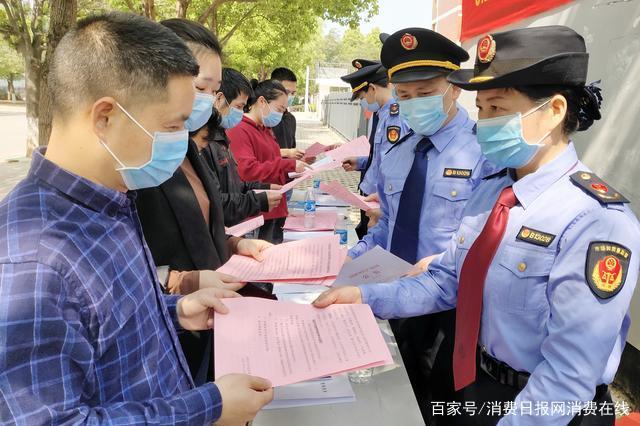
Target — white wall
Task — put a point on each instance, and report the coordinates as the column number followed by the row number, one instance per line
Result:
column 611, row 147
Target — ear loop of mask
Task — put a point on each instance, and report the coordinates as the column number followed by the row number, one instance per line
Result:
column 528, row 114
column 453, row 102
column 104, row 144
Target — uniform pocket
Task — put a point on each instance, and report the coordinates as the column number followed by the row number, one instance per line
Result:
column 524, row 287
column 449, row 199
column 393, row 191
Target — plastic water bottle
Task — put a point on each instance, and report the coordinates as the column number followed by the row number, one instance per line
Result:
column 316, row 187
column 341, row 228
column 310, row 209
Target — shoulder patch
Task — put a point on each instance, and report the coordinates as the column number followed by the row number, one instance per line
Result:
column 393, row 134
column 457, row 173
column 606, row 268
column 394, row 109
column 539, row 238
column 599, row 189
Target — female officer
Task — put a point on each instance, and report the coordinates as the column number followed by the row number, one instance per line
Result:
column 545, row 262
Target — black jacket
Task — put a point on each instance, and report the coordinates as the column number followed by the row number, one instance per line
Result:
column 173, row 225
column 286, row 131
column 178, row 236
column 239, row 202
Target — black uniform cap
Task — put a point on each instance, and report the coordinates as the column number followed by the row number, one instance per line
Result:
column 550, row 55
column 416, row 54
column 367, row 72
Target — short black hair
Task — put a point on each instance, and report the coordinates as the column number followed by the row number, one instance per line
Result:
column 196, row 35
column 268, row 89
column 283, row 74
column 115, row 54
column 583, row 106
column 234, row 83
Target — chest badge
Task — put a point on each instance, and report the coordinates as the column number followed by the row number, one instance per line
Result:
column 394, row 109
column 606, row 268
column 532, row 236
column 457, row 173
column 393, row 134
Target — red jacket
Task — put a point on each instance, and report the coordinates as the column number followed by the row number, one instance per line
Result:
column 258, row 155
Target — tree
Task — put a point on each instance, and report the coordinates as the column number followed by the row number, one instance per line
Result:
column 27, row 28
column 11, row 66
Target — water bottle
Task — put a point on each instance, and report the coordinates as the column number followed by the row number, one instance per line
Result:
column 310, row 209
column 316, row 187
column 341, row 228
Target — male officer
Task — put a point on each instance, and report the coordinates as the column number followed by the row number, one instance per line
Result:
column 370, row 84
column 425, row 178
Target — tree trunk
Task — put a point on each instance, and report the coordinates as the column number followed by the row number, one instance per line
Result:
column 32, row 86
column 63, row 15
column 149, row 9
column 11, row 90
column 181, row 8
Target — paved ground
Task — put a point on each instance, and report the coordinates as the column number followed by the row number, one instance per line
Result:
column 13, row 123
column 309, row 131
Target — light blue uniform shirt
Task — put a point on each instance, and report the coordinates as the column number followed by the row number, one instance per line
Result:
column 455, row 150
column 539, row 314
column 381, row 145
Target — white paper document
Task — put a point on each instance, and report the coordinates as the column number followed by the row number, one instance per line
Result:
column 375, row 266
column 329, row 390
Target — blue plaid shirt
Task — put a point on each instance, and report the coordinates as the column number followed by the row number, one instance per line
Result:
column 86, row 335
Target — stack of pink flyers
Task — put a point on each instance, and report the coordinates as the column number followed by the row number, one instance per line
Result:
column 288, row 343
column 309, row 261
column 325, row 220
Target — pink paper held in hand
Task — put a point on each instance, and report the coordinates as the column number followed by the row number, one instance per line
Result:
column 324, row 221
column 337, row 190
column 290, row 185
column 245, row 227
column 358, row 147
column 309, row 258
column 315, row 149
column 289, row 343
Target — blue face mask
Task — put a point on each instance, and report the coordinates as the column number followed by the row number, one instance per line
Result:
column 369, row 107
column 201, row 112
column 168, row 150
column 290, row 100
column 232, row 119
column 272, row 119
column 425, row 115
column 502, row 142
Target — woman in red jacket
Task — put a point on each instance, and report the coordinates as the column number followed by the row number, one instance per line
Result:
column 257, row 152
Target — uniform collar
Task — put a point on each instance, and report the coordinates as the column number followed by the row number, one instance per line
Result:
column 442, row 137
column 387, row 105
column 531, row 186
column 83, row 191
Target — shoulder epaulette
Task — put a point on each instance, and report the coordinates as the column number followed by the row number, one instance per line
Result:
column 597, row 188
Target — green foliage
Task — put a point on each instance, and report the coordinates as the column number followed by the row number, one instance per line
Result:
column 11, row 64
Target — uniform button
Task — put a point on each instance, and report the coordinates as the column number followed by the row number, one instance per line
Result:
column 389, row 187
column 454, row 193
column 461, row 239
column 522, row 266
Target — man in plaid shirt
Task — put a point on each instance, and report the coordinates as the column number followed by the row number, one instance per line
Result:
column 86, row 334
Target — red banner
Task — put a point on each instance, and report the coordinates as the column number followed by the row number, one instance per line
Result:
column 483, row 16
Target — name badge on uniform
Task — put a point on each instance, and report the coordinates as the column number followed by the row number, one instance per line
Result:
column 457, row 173
column 393, row 134
column 606, row 268
column 532, row 236
column 394, row 109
